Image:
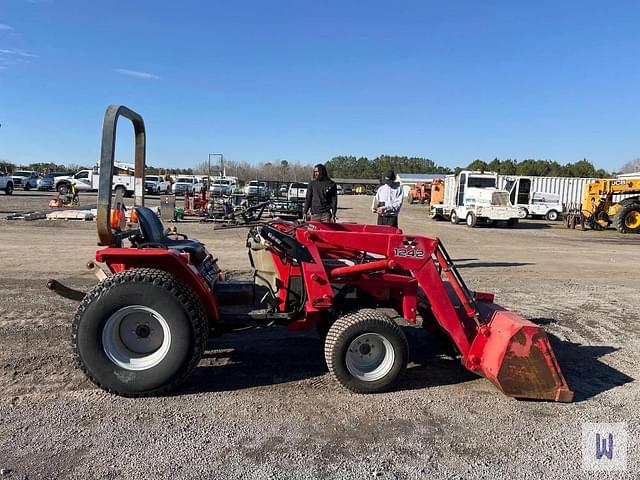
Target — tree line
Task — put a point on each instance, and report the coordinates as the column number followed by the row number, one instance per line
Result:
column 541, row 168
column 362, row 167
column 350, row 166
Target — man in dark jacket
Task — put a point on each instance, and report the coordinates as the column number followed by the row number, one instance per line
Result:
column 322, row 196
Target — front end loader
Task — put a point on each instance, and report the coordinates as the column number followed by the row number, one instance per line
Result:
column 144, row 327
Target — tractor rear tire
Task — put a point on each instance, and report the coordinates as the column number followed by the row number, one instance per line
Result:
column 139, row 333
column 628, row 219
column 366, row 351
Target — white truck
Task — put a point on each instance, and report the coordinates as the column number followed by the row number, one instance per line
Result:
column 156, row 184
column 189, row 184
column 522, row 193
column 297, row 192
column 6, row 183
column 473, row 197
column 87, row 181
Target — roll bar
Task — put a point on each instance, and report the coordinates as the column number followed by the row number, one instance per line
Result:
column 107, row 153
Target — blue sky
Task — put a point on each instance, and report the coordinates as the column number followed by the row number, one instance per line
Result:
column 309, row 80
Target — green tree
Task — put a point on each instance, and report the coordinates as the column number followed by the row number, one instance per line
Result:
column 478, row 165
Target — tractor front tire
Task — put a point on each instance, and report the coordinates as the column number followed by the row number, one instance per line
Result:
column 628, row 219
column 366, row 351
column 139, row 333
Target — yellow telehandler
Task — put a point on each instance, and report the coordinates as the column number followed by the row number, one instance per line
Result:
column 599, row 209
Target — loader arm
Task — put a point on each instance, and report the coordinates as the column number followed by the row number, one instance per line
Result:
column 510, row 351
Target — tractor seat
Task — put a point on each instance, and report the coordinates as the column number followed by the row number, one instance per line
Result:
column 153, row 232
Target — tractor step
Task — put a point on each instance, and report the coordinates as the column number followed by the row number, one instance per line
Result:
column 251, row 313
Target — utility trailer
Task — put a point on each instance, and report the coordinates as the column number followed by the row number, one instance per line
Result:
column 473, row 198
column 144, row 327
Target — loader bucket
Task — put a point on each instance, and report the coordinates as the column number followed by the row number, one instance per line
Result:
column 516, row 356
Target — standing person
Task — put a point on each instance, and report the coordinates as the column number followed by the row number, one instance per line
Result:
column 322, row 196
column 388, row 200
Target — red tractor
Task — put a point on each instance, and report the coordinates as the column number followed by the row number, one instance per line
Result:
column 144, row 327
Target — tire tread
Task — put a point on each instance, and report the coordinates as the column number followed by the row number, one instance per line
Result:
column 364, row 316
column 167, row 281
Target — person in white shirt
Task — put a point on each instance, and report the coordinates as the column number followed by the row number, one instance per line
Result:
column 388, row 200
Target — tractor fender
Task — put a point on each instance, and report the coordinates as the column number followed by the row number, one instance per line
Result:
column 120, row 259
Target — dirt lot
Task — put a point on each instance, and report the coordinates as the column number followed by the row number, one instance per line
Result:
column 262, row 405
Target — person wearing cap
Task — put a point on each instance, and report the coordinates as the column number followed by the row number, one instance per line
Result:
column 322, row 196
column 388, row 200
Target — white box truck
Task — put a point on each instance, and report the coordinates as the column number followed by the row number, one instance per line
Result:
column 473, row 197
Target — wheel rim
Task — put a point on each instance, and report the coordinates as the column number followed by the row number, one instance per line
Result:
column 469, row 220
column 370, row 357
column 632, row 220
column 553, row 216
column 136, row 338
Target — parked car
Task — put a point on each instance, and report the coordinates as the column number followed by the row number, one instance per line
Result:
column 348, row 190
column 257, row 188
column 297, row 192
column 222, row 186
column 187, row 184
column 339, row 189
column 156, row 184
column 282, row 191
column 6, row 183
column 25, row 179
column 48, row 182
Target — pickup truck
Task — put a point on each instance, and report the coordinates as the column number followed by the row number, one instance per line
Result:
column 222, row 186
column 298, row 192
column 156, row 184
column 88, row 180
column 187, row 184
column 6, row 183
column 25, row 179
column 256, row 188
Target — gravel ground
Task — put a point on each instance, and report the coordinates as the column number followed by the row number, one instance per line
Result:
column 262, row 405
